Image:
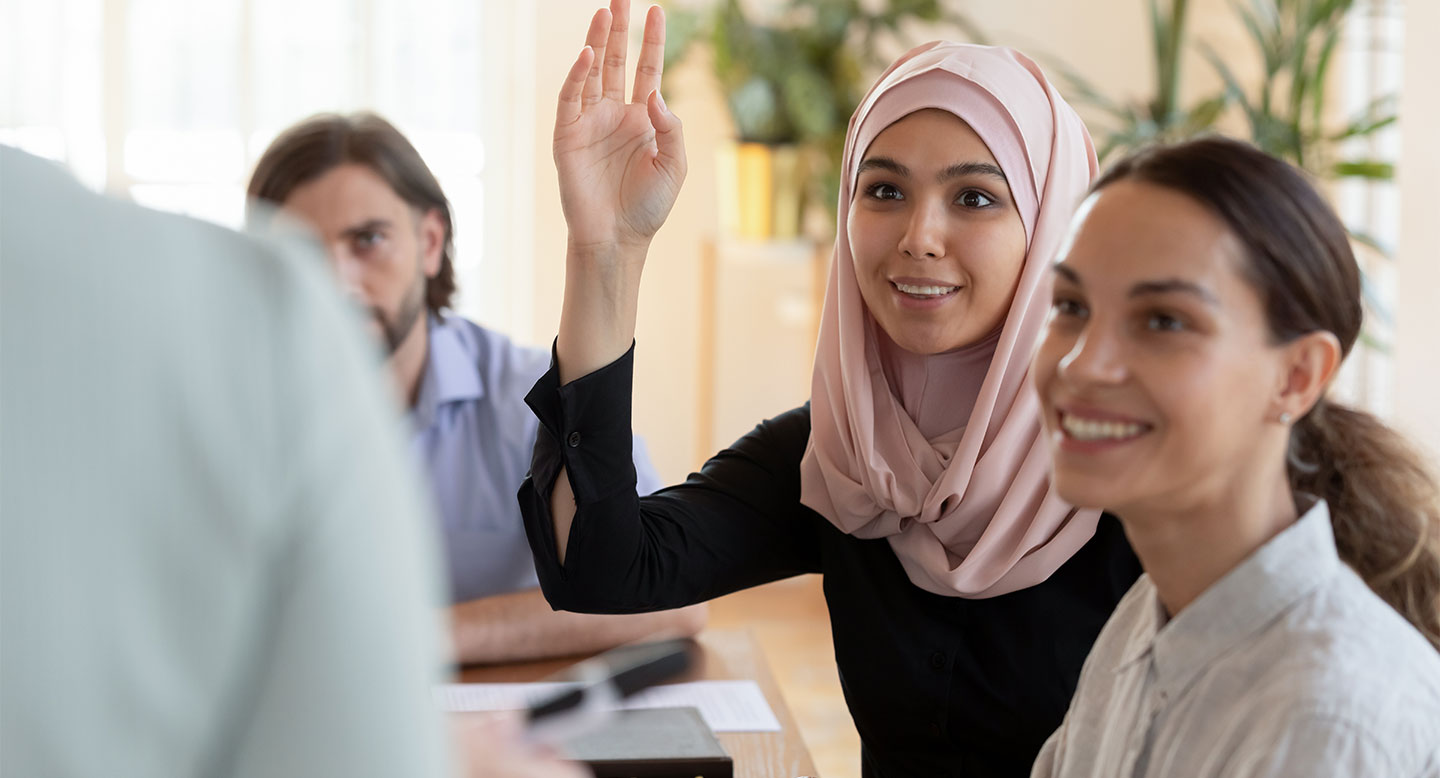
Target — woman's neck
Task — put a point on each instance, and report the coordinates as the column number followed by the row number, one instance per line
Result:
column 1189, row 545
column 938, row 391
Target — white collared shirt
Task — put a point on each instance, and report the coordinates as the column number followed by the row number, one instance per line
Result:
column 1287, row 666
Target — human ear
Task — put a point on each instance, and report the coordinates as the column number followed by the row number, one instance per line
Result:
column 432, row 241
column 1310, row 361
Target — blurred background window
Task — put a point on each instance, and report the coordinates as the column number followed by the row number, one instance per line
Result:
column 1370, row 204
column 170, row 103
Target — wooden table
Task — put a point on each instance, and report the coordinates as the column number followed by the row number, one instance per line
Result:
column 724, row 655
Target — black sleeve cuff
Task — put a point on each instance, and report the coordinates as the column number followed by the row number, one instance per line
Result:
column 585, row 427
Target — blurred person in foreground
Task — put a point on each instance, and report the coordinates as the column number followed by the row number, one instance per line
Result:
column 387, row 229
column 212, row 560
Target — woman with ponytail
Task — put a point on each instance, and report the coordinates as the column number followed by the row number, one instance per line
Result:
column 1289, row 619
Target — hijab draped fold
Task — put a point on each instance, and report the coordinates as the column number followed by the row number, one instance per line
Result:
column 942, row 454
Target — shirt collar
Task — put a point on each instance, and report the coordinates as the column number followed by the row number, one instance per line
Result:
column 450, row 373
column 1141, row 640
column 1288, row 567
column 1281, row 572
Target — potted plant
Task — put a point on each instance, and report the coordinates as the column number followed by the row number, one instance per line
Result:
column 1285, row 112
column 1295, row 41
column 791, row 84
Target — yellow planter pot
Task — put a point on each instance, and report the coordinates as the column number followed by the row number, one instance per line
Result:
column 787, row 187
column 762, row 189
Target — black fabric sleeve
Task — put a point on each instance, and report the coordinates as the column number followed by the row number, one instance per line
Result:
column 735, row 524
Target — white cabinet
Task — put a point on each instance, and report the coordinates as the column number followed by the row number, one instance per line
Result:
column 763, row 304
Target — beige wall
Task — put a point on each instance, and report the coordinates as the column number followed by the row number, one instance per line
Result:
column 1417, row 347
column 1106, row 40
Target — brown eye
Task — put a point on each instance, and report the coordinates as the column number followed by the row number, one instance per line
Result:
column 973, row 199
column 1162, row 322
column 1067, row 307
column 884, row 192
column 367, row 239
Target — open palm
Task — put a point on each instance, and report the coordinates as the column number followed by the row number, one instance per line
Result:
column 620, row 164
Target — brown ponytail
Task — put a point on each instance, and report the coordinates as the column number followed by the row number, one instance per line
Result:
column 1384, row 504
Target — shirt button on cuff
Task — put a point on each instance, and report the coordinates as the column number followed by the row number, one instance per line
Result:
column 937, row 661
column 573, row 440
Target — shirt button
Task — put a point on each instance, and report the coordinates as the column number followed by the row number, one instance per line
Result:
column 937, row 660
column 935, row 730
column 573, row 440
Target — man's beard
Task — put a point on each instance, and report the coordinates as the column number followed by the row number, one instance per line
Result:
column 412, row 306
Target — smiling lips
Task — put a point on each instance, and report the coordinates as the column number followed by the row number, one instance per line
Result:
column 924, row 290
column 1091, row 429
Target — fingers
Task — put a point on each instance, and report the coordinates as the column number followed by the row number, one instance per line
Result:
column 669, row 136
column 595, row 38
column 570, row 105
column 613, row 63
column 652, row 55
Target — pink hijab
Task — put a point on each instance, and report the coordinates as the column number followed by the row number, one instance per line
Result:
column 942, row 455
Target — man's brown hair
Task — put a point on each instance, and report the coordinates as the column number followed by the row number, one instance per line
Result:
column 321, row 143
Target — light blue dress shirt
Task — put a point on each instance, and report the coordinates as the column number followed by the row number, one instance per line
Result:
column 473, row 435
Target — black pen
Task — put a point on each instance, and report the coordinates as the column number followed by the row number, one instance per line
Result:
column 602, row 683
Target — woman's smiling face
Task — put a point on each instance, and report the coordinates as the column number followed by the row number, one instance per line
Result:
column 936, row 238
column 1156, row 373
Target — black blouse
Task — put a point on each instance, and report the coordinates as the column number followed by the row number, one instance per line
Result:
column 937, row 685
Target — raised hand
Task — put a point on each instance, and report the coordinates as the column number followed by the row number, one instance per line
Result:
column 620, row 164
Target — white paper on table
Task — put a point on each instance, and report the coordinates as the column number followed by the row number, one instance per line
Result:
column 726, row 706
column 458, row 697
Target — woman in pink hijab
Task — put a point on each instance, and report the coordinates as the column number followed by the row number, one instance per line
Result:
column 963, row 593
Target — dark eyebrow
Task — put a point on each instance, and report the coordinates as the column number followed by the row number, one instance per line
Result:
column 1066, row 272
column 372, row 225
column 957, row 170
column 962, row 169
column 1166, row 286
column 883, row 163
column 1171, row 285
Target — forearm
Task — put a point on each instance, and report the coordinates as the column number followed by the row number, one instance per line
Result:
column 562, row 512
column 597, row 327
column 522, row 626
column 597, row 318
